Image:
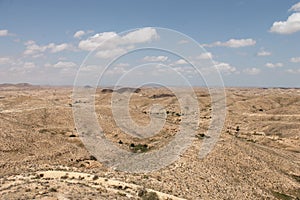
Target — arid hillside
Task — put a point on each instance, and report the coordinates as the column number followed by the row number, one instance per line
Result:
column 256, row 157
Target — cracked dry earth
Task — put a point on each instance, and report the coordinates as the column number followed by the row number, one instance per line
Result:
column 256, row 157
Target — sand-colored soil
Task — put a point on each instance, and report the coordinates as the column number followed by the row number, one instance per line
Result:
column 256, row 157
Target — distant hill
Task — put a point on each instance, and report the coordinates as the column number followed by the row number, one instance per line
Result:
column 15, row 85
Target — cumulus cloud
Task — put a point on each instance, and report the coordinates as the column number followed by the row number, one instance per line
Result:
column 89, row 68
column 295, row 60
column 94, row 41
column 293, row 71
column 79, row 34
column 252, row 71
column 34, row 49
column 182, row 69
column 295, row 7
column 225, row 68
column 273, row 65
column 180, row 62
column 9, row 61
column 206, row 55
column 233, row 43
column 291, row 25
column 155, row 58
column 5, row 60
column 110, row 53
column 140, row 36
column 116, row 70
column 123, row 65
column 29, row 65
column 263, row 53
column 62, row 64
column 3, row 32
column 110, row 44
column 59, row 47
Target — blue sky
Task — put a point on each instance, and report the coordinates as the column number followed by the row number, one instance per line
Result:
column 252, row 43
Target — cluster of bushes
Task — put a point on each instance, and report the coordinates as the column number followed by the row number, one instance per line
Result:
column 139, row 148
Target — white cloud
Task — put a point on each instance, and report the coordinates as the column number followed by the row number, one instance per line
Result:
column 29, row 65
column 141, row 36
column 295, row 60
column 233, row 43
column 29, row 42
column 19, row 67
column 180, row 62
column 295, row 7
column 5, row 60
column 293, row 71
column 94, row 41
column 179, row 69
column 47, row 65
column 110, row 53
column 183, row 42
column 79, row 34
column 291, row 25
column 33, row 49
column 89, row 68
column 110, row 44
column 273, row 65
column 252, row 71
column 155, row 58
column 17, row 70
column 59, row 47
column 62, row 64
column 123, row 65
column 110, row 40
column 206, row 55
column 225, row 68
column 3, row 32
column 10, row 61
column 264, row 53
column 116, row 70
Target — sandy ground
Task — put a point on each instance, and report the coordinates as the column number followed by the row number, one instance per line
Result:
column 256, row 157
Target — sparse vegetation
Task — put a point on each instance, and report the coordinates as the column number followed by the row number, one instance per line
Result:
column 297, row 178
column 139, row 148
column 43, row 130
column 64, row 176
column 201, row 136
column 33, row 152
column 156, row 96
column 281, row 196
column 93, row 158
column 145, row 195
column 178, row 114
column 52, row 190
column 96, row 177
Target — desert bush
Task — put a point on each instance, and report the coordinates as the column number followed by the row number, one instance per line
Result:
column 95, row 177
column 139, row 148
column 145, row 195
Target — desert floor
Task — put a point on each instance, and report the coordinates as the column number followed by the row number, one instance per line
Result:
column 256, row 157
